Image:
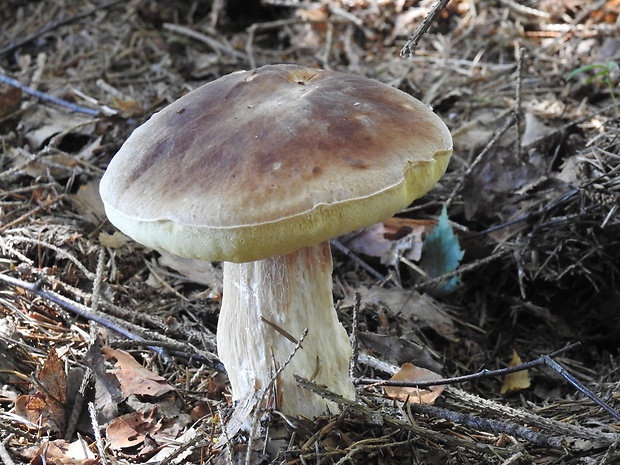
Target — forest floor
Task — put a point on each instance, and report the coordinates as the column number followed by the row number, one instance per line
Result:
column 529, row 91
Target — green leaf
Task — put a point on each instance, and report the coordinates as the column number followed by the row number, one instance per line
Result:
column 583, row 69
column 441, row 254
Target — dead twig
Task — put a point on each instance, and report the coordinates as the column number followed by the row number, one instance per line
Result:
column 462, row 269
column 458, row 398
column 546, row 360
column 60, row 252
column 527, row 216
column 354, row 334
column 272, row 383
column 78, row 404
column 92, row 411
column 412, row 41
column 30, row 213
column 256, row 27
column 79, row 310
column 489, row 425
column 390, row 417
column 191, row 443
column 507, row 125
column 518, row 105
column 49, row 98
column 4, row 455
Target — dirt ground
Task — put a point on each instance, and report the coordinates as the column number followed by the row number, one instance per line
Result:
column 107, row 349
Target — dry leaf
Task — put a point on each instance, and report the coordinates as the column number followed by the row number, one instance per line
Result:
column 59, row 165
column 60, row 452
column 10, row 102
column 47, row 405
column 130, row 430
column 534, row 129
column 108, row 392
column 53, row 378
column 88, row 204
column 201, row 410
column 197, row 271
column 91, row 150
column 173, row 448
column 608, row 12
column 128, row 108
column 495, row 182
column 477, row 129
column 411, row 374
column 44, row 122
column 569, row 170
column 421, row 310
column 134, row 378
column 390, row 240
column 116, row 240
column 516, row 381
column 314, row 13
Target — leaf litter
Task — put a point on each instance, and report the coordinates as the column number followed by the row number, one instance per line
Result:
column 135, row 379
column 536, row 215
column 48, row 404
column 412, row 374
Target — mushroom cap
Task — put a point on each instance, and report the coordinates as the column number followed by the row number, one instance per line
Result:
column 265, row 162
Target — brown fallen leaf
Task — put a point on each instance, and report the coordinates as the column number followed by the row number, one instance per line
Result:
column 516, row 381
column 201, row 410
column 108, row 392
column 134, row 378
column 59, row 164
column 60, row 452
column 412, row 374
column 128, row 108
column 10, row 100
column 131, row 429
column 116, row 240
column 87, row 202
column 10, row 103
column 48, row 404
column 607, row 12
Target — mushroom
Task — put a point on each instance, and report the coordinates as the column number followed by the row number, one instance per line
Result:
column 260, row 169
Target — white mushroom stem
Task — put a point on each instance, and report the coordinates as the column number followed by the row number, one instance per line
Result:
column 266, row 307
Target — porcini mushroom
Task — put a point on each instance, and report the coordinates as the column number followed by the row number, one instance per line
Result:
column 260, row 169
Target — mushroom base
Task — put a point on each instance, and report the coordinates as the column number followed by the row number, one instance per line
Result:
column 266, row 307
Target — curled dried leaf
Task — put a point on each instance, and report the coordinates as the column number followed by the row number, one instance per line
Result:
column 412, row 374
column 516, row 381
column 134, row 378
column 48, row 404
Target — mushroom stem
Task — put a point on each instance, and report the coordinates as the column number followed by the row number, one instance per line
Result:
column 266, row 307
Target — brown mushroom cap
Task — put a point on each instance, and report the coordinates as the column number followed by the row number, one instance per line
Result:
column 264, row 162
